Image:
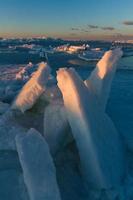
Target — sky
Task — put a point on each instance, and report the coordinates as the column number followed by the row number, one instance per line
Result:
column 67, row 19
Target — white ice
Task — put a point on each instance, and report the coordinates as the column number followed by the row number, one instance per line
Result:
column 58, row 132
column 101, row 77
column 98, row 142
column 38, row 167
column 32, row 89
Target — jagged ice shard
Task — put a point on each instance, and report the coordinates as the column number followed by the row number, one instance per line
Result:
column 101, row 77
column 33, row 88
column 38, row 167
column 100, row 146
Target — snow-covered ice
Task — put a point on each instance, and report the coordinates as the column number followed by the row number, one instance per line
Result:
column 38, row 167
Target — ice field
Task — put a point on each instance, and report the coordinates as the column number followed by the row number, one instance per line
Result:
column 67, row 135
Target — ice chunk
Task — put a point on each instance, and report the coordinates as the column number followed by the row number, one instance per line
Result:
column 20, row 74
column 101, row 77
column 32, row 89
column 38, row 167
column 100, row 146
column 56, row 127
column 26, row 72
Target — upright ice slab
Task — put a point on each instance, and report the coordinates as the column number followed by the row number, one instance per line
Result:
column 38, row 167
column 33, row 88
column 100, row 146
column 56, row 127
column 101, row 77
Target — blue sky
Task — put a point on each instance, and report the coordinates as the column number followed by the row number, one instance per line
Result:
column 79, row 19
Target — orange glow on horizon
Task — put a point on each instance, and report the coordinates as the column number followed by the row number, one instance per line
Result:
column 69, row 36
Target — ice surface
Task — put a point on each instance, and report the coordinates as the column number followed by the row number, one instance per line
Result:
column 32, row 89
column 69, row 178
column 56, row 127
column 38, row 167
column 98, row 142
column 101, row 77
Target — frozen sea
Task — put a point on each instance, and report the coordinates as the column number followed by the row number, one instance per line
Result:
column 119, row 108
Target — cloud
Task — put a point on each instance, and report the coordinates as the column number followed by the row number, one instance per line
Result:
column 128, row 23
column 80, row 30
column 93, row 26
column 75, row 29
column 108, row 28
